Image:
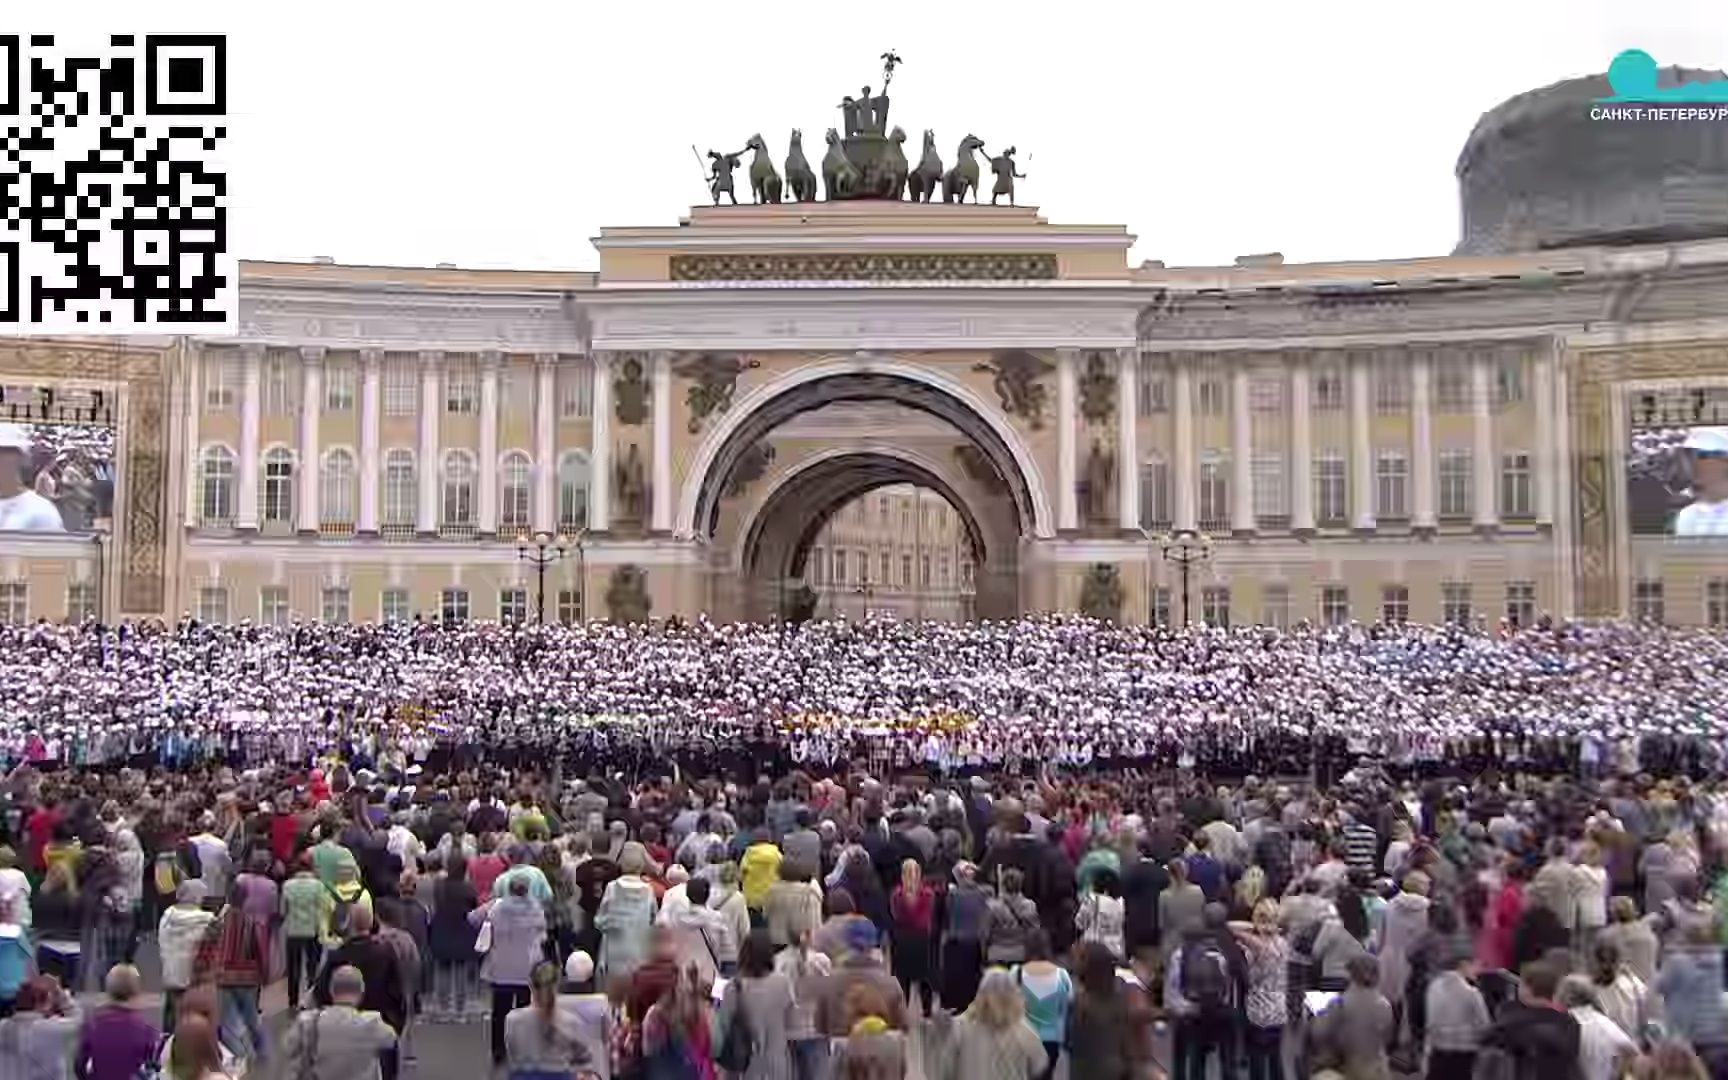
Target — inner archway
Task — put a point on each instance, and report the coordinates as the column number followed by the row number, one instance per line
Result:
column 782, row 478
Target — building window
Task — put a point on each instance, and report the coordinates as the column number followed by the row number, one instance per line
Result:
column 1270, row 504
column 570, row 607
column 401, row 490
column 1331, row 488
column 461, row 387
column 885, row 569
column 839, row 566
column 1509, row 380
column 1716, row 602
column 278, row 387
column 906, row 571
column 1391, row 480
column 1214, row 490
column 333, row 604
column 1211, row 396
column 942, row 569
column 1215, row 605
column 1451, row 387
column 1334, row 605
column 336, row 490
column 278, row 494
column 221, row 381
column 817, row 566
column 216, row 487
column 393, row 606
column 14, row 603
column 1275, row 606
column 80, row 602
column 1394, row 604
column 515, row 478
column 924, row 571
column 513, row 606
column 339, row 387
column 861, row 562
column 1391, row 387
column 401, row 387
column 1521, row 603
column 1455, row 603
column 1648, row 605
column 1515, row 494
column 213, row 604
column 573, row 491
column 458, row 506
column 1266, row 393
column 575, row 391
column 1329, row 388
column 882, row 513
column 1155, row 494
column 273, row 605
column 518, row 383
column 1154, row 392
column 453, row 606
column 1161, row 606
column 965, row 573
column 1455, row 483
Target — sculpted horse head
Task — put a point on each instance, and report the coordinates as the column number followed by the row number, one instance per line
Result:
column 833, row 137
column 969, row 144
column 757, row 144
column 898, row 135
column 797, row 138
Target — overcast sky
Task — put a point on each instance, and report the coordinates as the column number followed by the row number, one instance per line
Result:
column 506, row 134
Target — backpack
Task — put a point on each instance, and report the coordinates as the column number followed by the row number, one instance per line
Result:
column 166, row 873
column 1205, row 976
column 341, row 910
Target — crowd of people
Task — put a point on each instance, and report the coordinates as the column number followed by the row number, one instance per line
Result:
column 868, row 851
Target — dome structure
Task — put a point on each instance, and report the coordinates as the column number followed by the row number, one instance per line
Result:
column 1546, row 169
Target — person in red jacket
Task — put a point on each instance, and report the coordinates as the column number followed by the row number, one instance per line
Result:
column 913, row 907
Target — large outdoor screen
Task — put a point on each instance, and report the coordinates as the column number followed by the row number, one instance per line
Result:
column 56, row 476
column 1677, row 465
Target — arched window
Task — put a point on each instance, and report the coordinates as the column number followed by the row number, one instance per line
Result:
column 336, row 489
column 216, row 486
column 278, row 493
column 515, row 479
column 573, row 475
column 459, row 475
column 401, row 491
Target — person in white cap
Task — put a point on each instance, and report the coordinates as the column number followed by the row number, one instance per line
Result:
column 1708, row 514
column 21, row 508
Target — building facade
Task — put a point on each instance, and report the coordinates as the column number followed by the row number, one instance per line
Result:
column 1434, row 438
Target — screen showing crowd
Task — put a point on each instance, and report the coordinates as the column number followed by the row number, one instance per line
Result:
column 1677, row 466
column 56, row 477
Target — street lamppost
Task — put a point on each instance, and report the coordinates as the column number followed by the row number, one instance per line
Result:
column 868, row 592
column 1185, row 547
column 540, row 551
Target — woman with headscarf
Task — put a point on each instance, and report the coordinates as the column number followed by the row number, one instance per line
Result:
column 625, row 918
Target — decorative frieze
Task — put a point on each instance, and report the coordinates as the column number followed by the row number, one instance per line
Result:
column 864, row 266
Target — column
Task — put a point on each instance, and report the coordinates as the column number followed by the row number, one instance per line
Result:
column 1067, row 505
column 431, row 467
column 661, row 492
column 1241, row 449
column 1361, row 443
column 600, row 447
column 1301, row 444
column 194, row 354
column 1422, row 461
column 1128, row 438
column 1182, row 388
column 246, row 491
column 1542, row 460
column 1485, row 483
column 545, row 443
column 490, row 361
column 371, row 409
column 311, row 406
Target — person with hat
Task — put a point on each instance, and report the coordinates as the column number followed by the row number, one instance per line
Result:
column 21, row 508
column 1707, row 515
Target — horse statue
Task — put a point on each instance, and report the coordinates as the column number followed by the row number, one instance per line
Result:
column 800, row 179
column 921, row 184
column 892, row 179
column 840, row 177
column 963, row 177
column 764, row 181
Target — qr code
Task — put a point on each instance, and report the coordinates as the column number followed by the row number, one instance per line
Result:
column 112, row 188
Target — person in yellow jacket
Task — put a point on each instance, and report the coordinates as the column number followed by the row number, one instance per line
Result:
column 759, row 869
column 344, row 896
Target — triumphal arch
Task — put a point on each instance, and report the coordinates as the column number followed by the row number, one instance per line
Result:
column 1487, row 433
